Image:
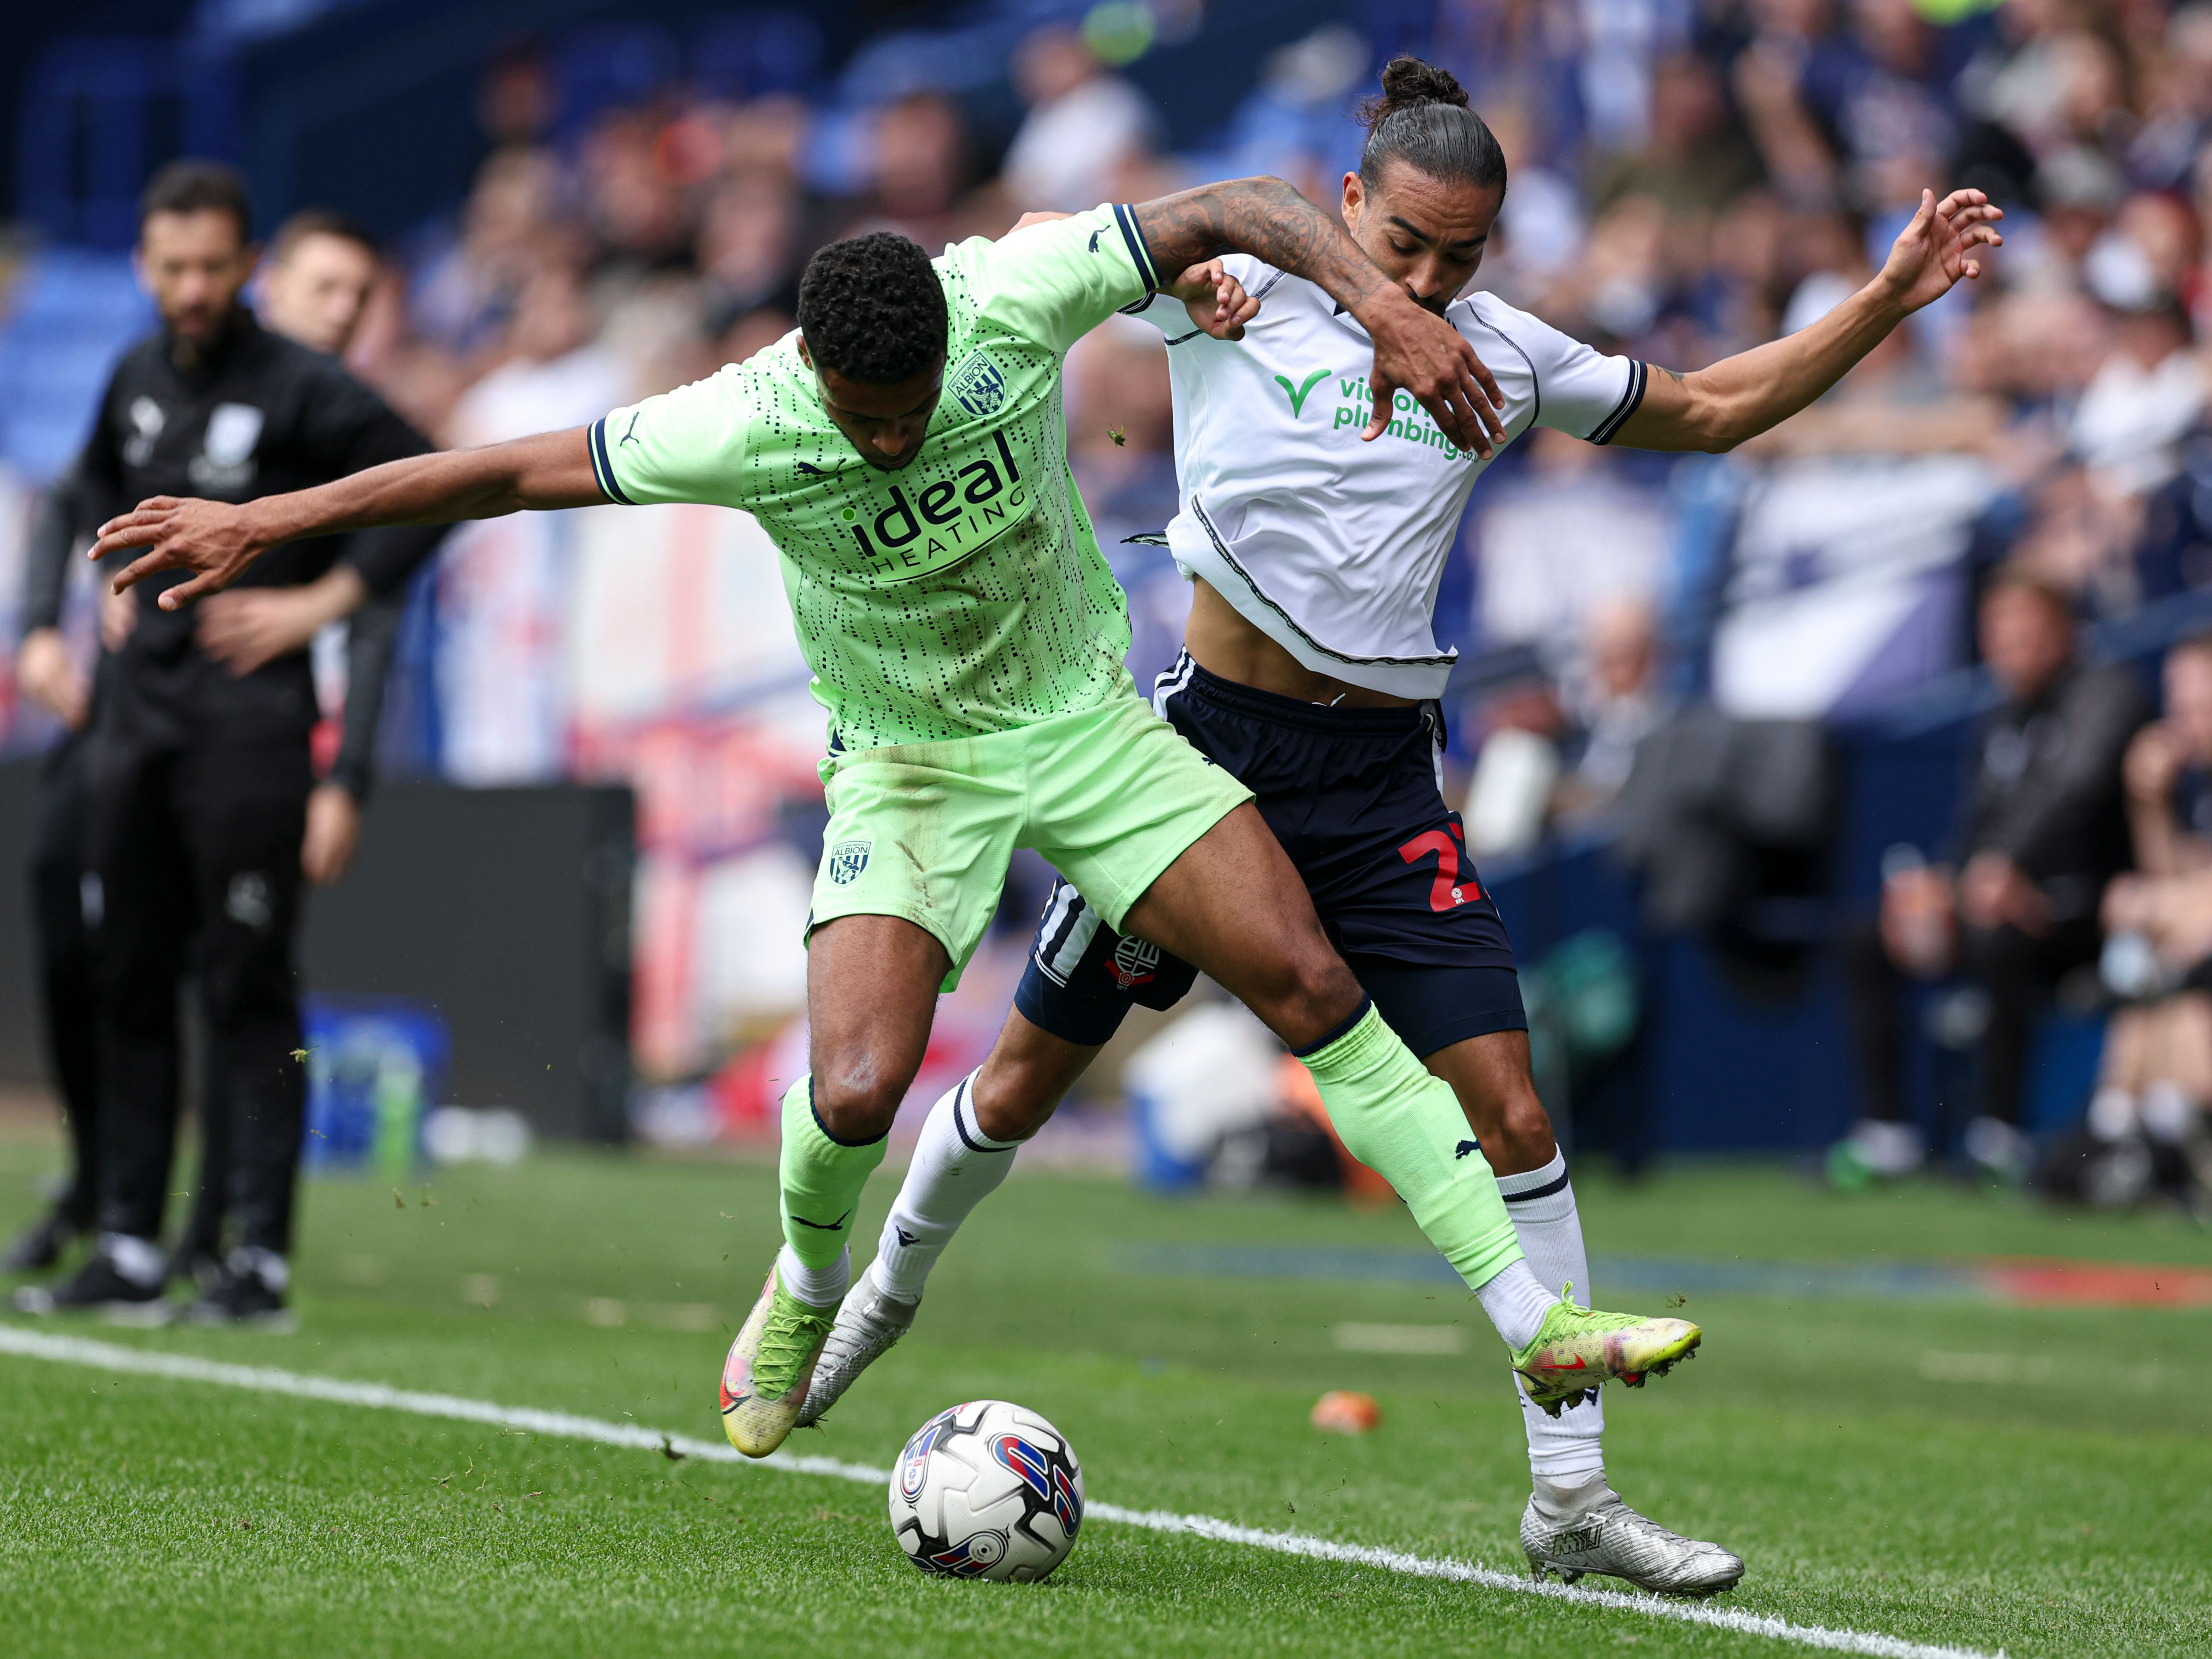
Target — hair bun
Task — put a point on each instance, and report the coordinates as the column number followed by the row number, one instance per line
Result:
column 1408, row 83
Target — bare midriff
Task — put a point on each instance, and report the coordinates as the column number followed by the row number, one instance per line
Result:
column 1222, row 642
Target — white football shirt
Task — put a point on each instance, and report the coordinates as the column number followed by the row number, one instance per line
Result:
column 1332, row 547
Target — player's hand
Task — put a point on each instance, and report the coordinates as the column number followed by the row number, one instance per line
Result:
column 1216, row 300
column 2126, row 906
column 48, row 676
column 213, row 538
column 1419, row 351
column 333, row 833
column 1993, row 891
column 2153, row 761
column 256, row 625
column 1939, row 247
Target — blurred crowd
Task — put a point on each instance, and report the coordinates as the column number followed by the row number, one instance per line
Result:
column 669, row 238
column 1690, row 178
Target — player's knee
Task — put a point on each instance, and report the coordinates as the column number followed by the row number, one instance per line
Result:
column 1524, row 1137
column 1309, row 993
column 1016, row 1110
column 857, row 1095
column 1028, row 1072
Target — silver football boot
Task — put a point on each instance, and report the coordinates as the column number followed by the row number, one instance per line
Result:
column 1601, row 1534
column 868, row 1322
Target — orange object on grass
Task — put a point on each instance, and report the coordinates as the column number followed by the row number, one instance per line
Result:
column 1341, row 1411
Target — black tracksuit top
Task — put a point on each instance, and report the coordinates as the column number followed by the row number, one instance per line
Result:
column 257, row 415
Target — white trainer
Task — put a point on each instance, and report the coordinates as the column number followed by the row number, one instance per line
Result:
column 868, row 1322
column 1601, row 1534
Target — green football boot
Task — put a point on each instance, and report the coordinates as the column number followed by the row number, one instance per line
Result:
column 1576, row 1350
column 764, row 1380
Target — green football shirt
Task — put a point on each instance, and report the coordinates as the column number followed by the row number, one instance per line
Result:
column 964, row 593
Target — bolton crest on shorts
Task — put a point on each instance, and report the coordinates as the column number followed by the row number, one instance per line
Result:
column 1135, row 962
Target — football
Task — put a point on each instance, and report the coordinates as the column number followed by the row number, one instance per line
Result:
column 986, row 1490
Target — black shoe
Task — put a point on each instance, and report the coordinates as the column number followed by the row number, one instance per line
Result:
column 98, row 1287
column 198, row 1271
column 39, row 1245
column 241, row 1296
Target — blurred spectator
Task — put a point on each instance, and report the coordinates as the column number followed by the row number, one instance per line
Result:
column 1120, row 414
column 2146, row 1123
column 464, row 292
column 2145, row 397
column 1695, row 159
column 1292, row 124
column 921, row 172
column 632, row 202
column 516, row 97
column 1120, row 443
column 1618, row 701
column 553, row 375
column 748, row 242
column 2044, row 830
column 1574, row 529
column 1083, row 126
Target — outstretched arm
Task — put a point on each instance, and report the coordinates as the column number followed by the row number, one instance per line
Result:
column 1718, row 408
column 1415, row 349
column 218, row 540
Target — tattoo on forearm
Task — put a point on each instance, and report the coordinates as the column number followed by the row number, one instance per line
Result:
column 1264, row 217
column 1674, row 374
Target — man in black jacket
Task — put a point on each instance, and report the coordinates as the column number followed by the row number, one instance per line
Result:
column 2043, row 829
column 196, row 772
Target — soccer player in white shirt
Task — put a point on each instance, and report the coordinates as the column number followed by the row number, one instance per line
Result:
column 1314, row 536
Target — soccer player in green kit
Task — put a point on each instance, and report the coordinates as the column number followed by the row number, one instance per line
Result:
column 905, row 451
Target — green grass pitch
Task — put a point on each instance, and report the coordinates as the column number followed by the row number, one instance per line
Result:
column 2063, row 1509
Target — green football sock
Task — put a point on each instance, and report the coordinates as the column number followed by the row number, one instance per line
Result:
column 822, row 1179
column 1406, row 1125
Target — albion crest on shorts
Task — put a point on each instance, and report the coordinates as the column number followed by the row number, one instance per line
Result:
column 848, row 858
column 977, row 384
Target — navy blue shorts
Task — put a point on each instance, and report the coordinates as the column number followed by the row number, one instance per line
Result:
column 1353, row 795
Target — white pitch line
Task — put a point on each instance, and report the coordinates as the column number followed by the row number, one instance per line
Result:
column 377, row 1396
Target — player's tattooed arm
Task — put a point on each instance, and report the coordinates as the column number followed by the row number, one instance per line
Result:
column 1415, row 349
column 1737, row 399
column 1216, row 300
column 217, row 540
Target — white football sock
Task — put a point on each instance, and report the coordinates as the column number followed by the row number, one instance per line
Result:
column 1563, row 1450
column 2113, row 1113
column 817, row 1287
column 955, row 1166
column 1517, row 1302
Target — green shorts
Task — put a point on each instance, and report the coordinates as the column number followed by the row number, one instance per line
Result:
column 1110, row 796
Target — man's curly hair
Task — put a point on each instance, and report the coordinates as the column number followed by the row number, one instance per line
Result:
column 871, row 308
